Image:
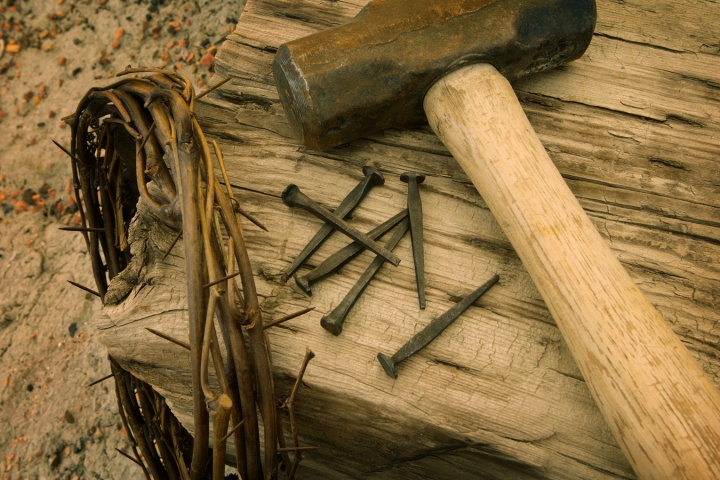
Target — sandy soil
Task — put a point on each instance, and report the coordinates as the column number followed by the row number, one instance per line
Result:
column 51, row 424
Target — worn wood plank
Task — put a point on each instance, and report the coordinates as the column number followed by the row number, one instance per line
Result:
column 633, row 126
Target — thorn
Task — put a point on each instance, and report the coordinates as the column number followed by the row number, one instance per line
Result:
column 147, row 135
column 102, row 379
column 220, row 280
column 177, row 237
column 297, row 449
column 210, row 89
column 288, row 317
column 82, row 287
column 232, row 430
column 245, row 214
column 128, row 456
column 82, row 229
column 64, row 149
column 233, row 200
column 167, row 337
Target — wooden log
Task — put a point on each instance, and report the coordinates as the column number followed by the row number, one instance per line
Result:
column 632, row 126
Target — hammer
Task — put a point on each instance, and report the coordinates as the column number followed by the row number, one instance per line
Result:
column 452, row 61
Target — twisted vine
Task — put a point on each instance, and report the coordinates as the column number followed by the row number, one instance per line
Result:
column 138, row 131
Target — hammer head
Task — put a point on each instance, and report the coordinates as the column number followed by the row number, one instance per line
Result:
column 373, row 73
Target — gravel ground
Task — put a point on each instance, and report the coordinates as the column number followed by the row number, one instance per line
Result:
column 52, row 425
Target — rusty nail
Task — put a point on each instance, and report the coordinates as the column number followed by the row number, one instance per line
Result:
column 333, row 322
column 335, row 261
column 292, row 196
column 414, row 206
column 372, row 178
column 421, row 339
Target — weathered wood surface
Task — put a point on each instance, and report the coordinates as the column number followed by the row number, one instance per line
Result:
column 634, row 128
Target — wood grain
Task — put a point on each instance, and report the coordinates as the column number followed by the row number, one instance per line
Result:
column 633, row 127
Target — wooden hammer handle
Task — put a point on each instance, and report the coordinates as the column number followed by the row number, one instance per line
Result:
column 663, row 410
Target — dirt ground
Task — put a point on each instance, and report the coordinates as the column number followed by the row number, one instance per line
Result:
column 52, row 425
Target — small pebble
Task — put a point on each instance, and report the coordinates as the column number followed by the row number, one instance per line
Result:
column 69, row 417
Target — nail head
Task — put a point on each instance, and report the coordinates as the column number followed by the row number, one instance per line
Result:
column 408, row 176
column 377, row 176
column 304, row 284
column 289, row 193
column 388, row 365
column 330, row 326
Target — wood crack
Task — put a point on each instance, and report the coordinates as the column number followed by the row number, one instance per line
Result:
column 579, row 378
column 595, row 467
column 266, row 49
column 642, row 44
column 650, row 193
column 668, row 163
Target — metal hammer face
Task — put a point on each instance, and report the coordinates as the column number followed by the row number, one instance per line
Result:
column 374, row 72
